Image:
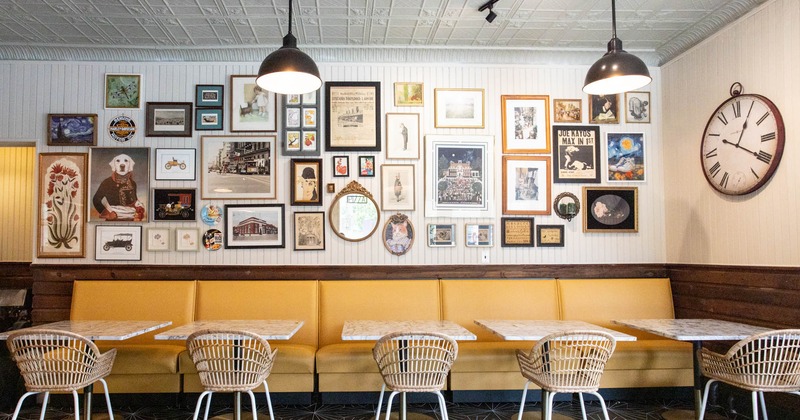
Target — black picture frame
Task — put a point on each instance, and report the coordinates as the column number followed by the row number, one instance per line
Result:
column 517, row 232
column 309, row 231
column 353, row 116
column 341, row 166
column 576, row 154
column 174, row 204
column 611, row 209
column 545, row 233
column 255, row 226
column 162, row 119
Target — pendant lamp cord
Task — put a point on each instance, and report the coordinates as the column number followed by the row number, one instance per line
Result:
column 290, row 17
column 613, row 18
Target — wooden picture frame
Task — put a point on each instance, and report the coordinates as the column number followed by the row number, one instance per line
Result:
column 210, row 96
column 72, row 129
column 625, row 157
column 402, row 135
column 517, row 232
column 441, row 235
column 459, row 108
column 123, row 91
column 568, row 111
column 604, row 109
column 526, row 185
column 353, row 116
column 526, row 123
column 398, row 234
column 366, row 166
column 63, row 181
column 175, row 164
column 306, row 178
column 208, row 119
column 576, row 154
column 409, row 94
column 158, row 239
column 550, row 235
column 300, row 132
column 637, row 107
column 449, row 161
column 309, row 231
column 187, row 239
column 398, row 187
column 479, row 235
column 340, row 165
column 174, row 204
column 611, row 209
column 222, row 157
column 252, row 108
column 254, row 226
column 168, row 119
column 118, row 243
column 107, row 166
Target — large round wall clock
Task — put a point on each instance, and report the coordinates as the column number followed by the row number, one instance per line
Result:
column 742, row 143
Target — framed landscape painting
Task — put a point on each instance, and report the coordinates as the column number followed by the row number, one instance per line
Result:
column 168, row 119
column 72, row 129
column 62, row 205
column 237, row 167
column 409, row 94
column 458, row 176
column 458, row 108
column 254, row 226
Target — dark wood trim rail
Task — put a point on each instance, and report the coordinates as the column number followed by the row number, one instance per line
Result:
column 16, row 275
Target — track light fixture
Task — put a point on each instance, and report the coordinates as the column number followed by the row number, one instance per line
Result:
column 488, row 5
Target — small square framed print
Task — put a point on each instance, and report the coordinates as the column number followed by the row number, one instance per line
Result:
column 187, row 239
column 441, row 235
column 550, row 235
column 517, row 231
column 341, row 166
column 604, row 109
column 123, row 91
column 477, row 235
column 208, row 119
column 117, row 243
column 208, row 95
column 567, row 111
column 309, row 231
column 175, row 164
column 611, row 209
column 168, row 119
column 637, row 107
column 309, row 117
column 409, row 94
column 366, row 166
column 158, row 239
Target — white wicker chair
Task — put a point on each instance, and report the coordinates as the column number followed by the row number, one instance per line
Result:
column 766, row 362
column 570, row 361
column 231, row 361
column 58, row 361
column 414, row 362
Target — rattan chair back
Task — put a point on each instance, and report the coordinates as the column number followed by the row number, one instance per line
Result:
column 53, row 360
column 415, row 362
column 230, row 360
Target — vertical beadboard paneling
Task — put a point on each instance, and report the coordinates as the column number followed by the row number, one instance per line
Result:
column 78, row 87
column 16, row 203
column 761, row 52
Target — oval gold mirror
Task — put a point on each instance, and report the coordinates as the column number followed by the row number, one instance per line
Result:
column 354, row 214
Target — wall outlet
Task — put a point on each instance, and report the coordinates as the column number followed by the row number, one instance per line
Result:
column 485, row 257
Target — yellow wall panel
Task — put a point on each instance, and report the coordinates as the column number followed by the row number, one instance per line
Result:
column 16, row 203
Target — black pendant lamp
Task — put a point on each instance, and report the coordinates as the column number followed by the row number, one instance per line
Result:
column 617, row 71
column 288, row 70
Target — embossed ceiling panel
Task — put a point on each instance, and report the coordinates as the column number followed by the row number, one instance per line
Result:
column 657, row 30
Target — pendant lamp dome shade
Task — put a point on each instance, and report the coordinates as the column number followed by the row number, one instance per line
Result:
column 617, row 71
column 288, row 70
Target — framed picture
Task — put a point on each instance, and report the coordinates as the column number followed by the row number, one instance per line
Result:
column 119, row 184
column 208, row 96
column 117, row 243
column 72, row 129
column 477, row 235
column 637, row 107
column 187, row 239
column 402, row 136
column 366, row 166
column 123, row 91
column 611, row 209
column 121, row 128
column 168, row 119
column 526, row 185
column 398, row 234
column 353, row 116
column 309, row 231
column 306, row 179
column 441, row 235
column 341, row 166
column 567, row 111
column 175, row 164
column 237, row 167
column 550, row 235
column 254, row 226
column 603, row 109
column 526, row 123
column 174, row 204
column 409, row 94
column 252, row 107
column 62, row 205
column 576, row 153
column 458, row 108
column 158, row 239
column 459, row 176
column 301, row 125
column 397, row 187
column 517, row 231
column 625, row 157
column 330, row 188
column 208, row 119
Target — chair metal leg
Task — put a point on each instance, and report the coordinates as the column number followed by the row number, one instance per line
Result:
column 380, row 401
column 108, row 399
column 602, row 404
column 763, row 405
column 19, row 404
column 549, row 407
column 77, row 405
column 269, row 401
column 200, row 404
column 524, row 395
column 583, row 406
column 253, row 404
column 44, row 404
column 389, row 404
column 754, row 397
column 705, row 399
column 442, row 405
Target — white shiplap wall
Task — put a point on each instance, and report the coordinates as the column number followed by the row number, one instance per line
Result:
column 762, row 52
column 35, row 89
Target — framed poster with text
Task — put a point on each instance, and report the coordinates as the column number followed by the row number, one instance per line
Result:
column 353, row 116
column 576, row 153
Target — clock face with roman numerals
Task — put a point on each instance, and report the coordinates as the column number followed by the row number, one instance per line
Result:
column 742, row 144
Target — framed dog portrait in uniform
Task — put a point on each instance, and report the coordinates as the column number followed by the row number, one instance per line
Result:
column 119, row 184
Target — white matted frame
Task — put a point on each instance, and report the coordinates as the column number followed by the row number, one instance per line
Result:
column 187, row 239
column 252, row 107
column 459, row 108
column 526, row 185
column 158, row 239
column 402, row 135
column 398, row 187
column 526, row 123
column 637, row 107
column 479, row 235
column 176, row 164
column 118, row 243
column 625, row 157
column 441, row 235
column 238, row 167
column 459, row 176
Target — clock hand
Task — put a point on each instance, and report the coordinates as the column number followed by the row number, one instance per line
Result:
column 744, row 126
column 740, row 147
